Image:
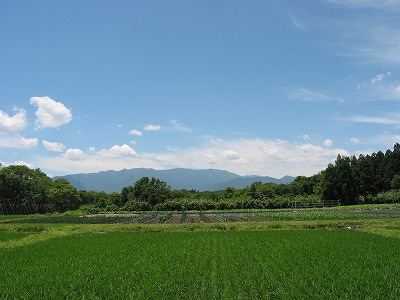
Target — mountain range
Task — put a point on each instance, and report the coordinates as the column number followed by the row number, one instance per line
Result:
column 200, row 180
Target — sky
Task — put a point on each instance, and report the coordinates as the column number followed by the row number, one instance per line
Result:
column 254, row 87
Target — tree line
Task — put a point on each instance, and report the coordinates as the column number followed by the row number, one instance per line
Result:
column 371, row 178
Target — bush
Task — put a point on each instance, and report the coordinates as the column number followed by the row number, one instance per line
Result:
column 133, row 205
column 392, row 196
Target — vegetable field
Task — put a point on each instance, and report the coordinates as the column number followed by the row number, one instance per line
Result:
column 262, row 264
column 175, row 218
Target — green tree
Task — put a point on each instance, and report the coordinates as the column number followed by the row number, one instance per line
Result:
column 229, row 192
column 151, row 190
column 63, row 196
column 24, row 190
column 340, row 182
column 395, row 183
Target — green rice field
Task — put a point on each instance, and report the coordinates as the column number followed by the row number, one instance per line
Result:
column 305, row 254
column 244, row 264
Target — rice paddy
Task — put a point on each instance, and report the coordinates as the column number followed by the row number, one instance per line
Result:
column 244, row 259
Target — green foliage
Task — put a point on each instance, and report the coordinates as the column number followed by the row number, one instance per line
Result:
column 395, row 183
column 152, row 191
column 352, row 180
column 133, row 205
column 392, row 196
column 63, row 196
column 23, row 190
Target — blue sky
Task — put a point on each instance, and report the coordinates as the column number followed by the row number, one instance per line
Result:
column 254, row 87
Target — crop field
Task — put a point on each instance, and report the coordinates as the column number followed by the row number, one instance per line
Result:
column 174, row 218
column 270, row 264
column 257, row 255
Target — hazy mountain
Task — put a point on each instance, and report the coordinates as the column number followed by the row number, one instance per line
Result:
column 201, row 180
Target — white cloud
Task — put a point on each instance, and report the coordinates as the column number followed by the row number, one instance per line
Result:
column 93, row 163
column 152, row 127
column 386, row 139
column 377, row 4
column 7, row 141
column 377, row 78
column 231, row 154
column 275, row 158
column 376, row 32
column 303, row 94
column 92, row 149
column 209, row 139
column 14, row 123
column 74, row 154
column 18, row 163
column 135, row 132
column 328, row 143
column 118, row 151
column 355, row 140
column 50, row 114
column 179, row 127
column 257, row 156
column 305, row 137
column 296, row 23
column 54, row 146
column 387, row 119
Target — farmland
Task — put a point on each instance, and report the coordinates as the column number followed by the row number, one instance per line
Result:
column 258, row 255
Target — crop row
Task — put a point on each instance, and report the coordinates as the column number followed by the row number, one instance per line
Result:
column 185, row 217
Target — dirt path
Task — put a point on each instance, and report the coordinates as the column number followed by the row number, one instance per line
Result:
column 211, row 219
column 176, row 219
column 193, row 219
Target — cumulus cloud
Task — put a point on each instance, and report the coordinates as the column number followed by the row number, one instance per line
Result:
column 152, row 127
column 15, row 123
column 54, row 146
column 18, row 163
column 50, row 114
column 257, row 156
column 7, row 141
column 135, row 132
column 118, row 151
column 328, row 143
column 231, row 154
column 74, row 154
column 275, row 158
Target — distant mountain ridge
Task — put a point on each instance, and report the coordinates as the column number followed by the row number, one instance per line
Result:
column 179, row 178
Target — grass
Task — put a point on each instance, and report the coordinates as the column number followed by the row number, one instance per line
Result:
column 266, row 264
column 12, row 236
column 319, row 215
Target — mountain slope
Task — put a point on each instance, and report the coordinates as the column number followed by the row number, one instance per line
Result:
column 202, row 180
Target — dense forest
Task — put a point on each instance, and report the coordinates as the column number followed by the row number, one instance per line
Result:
column 371, row 178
